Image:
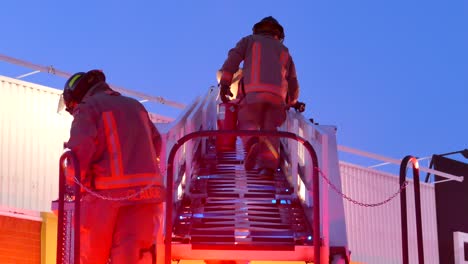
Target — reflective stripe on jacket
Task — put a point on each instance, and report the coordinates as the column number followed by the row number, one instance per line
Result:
column 116, row 143
column 268, row 67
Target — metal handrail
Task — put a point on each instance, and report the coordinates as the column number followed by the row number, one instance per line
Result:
column 396, row 161
column 208, row 133
column 404, row 216
column 70, row 157
column 54, row 71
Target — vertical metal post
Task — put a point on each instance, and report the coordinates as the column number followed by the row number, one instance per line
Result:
column 61, row 213
column 325, row 199
column 404, row 214
column 70, row 157
column 417, row 201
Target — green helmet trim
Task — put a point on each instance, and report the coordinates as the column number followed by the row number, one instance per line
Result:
column 73, row 80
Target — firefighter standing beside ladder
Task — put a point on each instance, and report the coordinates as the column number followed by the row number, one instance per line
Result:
column 270, row 87
column 117, row 147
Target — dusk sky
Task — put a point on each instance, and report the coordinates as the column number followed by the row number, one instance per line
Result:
column 392, row 76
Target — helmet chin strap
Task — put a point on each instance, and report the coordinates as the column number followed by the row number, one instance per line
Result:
column 69, row 108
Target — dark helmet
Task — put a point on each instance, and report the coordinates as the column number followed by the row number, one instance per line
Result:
column 78, row 85
column 269, row 25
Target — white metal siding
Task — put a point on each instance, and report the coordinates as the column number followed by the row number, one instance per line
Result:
column 31, row 141
column 374, row 234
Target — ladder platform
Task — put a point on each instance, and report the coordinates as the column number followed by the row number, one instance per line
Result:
column 243, row 252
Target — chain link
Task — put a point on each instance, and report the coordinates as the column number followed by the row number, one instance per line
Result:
column 327, row 180
column 337, row 190
column 110, row 198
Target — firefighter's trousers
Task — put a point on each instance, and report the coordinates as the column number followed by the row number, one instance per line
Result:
column 116, row 230
column 262, row 116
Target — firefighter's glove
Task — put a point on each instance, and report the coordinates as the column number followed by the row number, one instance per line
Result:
column 299, row 107
column 224, row 93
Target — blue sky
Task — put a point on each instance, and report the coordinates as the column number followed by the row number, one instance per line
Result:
column 391, row 75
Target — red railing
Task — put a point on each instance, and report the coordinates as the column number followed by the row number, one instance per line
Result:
column 65, row 253
column 74, row 252
column 214, row 133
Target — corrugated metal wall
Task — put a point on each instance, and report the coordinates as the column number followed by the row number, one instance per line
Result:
column 31, row 141
column 374, row 234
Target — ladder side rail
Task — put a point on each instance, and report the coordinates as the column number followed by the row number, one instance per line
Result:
column 170, row 132
column 320, row 140
column 315, row 181
column 323, row 140
column 292, row 125
column 300, row 163
column 305, row 130
column 324, row 192
column 209, row 113
column 295, row 175
column 194, row 122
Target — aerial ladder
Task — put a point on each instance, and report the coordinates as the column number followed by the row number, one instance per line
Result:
column 217, row 211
